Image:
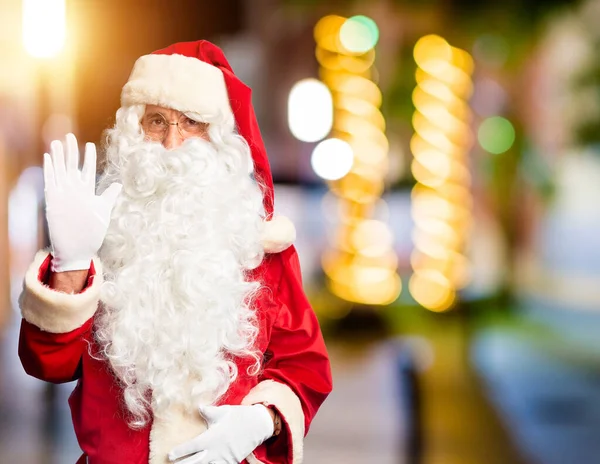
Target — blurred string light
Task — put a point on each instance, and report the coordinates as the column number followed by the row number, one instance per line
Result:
column 310, row 110
column 44, row 27
column 496, row 135
column 441, row 200
column 360, row 262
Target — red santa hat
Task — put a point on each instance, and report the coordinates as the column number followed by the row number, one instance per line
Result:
column 196, row 77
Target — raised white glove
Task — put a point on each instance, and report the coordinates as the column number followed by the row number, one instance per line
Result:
column 77, row 218
column 233, row 433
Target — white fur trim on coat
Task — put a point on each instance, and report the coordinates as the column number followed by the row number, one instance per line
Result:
column 170, row 431
column 282, row 397
column 54, row 311
column 179, row 82
column 278, row 234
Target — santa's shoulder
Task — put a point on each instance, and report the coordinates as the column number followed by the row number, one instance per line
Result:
column 274, row 266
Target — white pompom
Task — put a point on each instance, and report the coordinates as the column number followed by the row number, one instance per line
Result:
column 278, row 234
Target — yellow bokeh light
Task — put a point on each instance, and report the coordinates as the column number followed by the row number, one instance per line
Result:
column 432, row 290
column 365, row 280
column 354, row 124
column 438, row 117
column 433, row 205
column 462, row 60
column 419, row 145
column 361, row 187
column 453, row 266
column 361, row 108
column 383, row 293
column 328, row 59
column 429, row 245
column 441, row 200
column 454, row 193
column 367, row 152
column 430, row 90
column 437, row 162
column 327, row 29
column 350, row 84
column 426, row 177
column 372, row 238
column 336, row 261
column 436, row 138
column 360, row 264
column 387, row 261
column 431, row 47
column 459, row 81
column 357, row 64
column 437, row 229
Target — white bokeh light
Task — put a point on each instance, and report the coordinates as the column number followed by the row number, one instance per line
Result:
column 44, row 27
column 332, row 159
column 310, row 110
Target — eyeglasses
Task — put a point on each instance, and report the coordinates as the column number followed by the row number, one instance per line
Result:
column 156, row 126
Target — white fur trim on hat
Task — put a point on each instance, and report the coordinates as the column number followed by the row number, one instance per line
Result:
column 179, row 82
column 278, row 234
column 279, row 395
column 55, row 311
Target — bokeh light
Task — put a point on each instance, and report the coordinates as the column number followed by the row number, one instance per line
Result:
column 441, row 199
column 360, row 262
column 496, row 135
column 431, row 49
column 310, row 110
column 432, row 290
column 332, row 159
column 359, row 34
column 44, row 27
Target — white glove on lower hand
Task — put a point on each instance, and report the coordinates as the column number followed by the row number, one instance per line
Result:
column 77, row 218
column 233, row 433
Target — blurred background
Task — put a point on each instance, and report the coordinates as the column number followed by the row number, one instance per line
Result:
column 441, row 162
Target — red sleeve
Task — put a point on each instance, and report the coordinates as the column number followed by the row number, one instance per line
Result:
column 53, row 357
column 298, row 357
column 297, row 350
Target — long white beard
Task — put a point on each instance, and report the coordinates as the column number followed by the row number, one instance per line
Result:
column 176, row 303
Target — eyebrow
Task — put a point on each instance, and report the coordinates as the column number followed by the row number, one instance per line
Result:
column 155, row 113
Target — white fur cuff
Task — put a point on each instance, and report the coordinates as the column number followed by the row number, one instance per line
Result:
column 271, row 393
column 278, row 234
column 54, row 311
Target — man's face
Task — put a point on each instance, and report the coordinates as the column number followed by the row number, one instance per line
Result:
column 171, row 127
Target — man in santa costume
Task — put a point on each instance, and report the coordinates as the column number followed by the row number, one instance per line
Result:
column 174, row 296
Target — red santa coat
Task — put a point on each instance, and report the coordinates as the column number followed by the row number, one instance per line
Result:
column 57, row 345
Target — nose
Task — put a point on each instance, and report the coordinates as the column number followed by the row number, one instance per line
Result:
column 173, row 138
